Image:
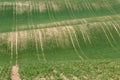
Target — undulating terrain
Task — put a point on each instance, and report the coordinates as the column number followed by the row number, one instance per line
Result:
column 60, row 39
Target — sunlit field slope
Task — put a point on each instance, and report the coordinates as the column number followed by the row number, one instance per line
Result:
column 46, row 35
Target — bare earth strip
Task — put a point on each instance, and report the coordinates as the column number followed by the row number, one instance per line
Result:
column 15, row 73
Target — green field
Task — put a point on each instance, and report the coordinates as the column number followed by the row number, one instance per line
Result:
column 60, row 39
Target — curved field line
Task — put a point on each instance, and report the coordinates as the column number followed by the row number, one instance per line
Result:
column 116, row 28
column 73, row 44
column 11, row 48
column 16, row 36
column 41, row 44
column 102, row 27
column 35, row 36
column 75, row 35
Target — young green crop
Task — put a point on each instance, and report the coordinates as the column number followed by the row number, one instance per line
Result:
column 5, row 72
column 94, row 69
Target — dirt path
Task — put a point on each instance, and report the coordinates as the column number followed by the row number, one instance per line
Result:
column 15, row 73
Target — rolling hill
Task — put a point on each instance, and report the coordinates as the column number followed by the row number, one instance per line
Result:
column 60, row 39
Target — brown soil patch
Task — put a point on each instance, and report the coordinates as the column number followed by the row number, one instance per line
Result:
column 15, row 73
